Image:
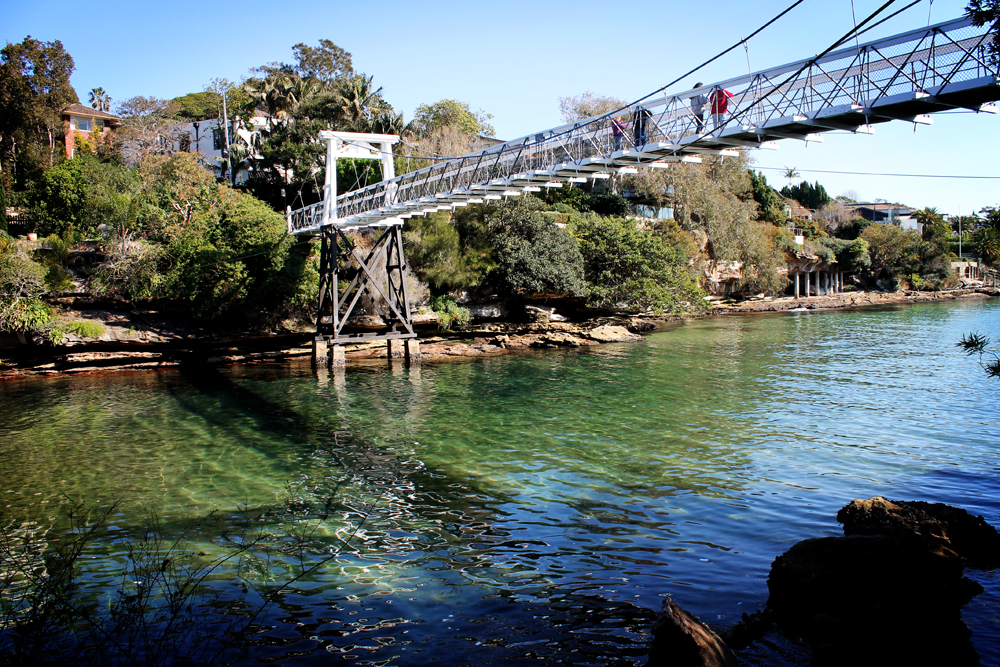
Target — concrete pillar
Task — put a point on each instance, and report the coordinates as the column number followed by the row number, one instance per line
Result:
column 797, row 285
column 412, row 351
column 805, row 291
column 321, row 352
column 394, row 349
column 338, row 358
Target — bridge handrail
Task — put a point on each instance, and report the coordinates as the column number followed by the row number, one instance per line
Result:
column 931, row 59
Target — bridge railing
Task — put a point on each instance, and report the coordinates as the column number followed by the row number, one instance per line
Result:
column 921, row 63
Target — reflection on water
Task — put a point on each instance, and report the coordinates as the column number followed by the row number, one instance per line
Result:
column 533, row 507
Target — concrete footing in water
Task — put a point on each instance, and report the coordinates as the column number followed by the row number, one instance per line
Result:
column 326, row 353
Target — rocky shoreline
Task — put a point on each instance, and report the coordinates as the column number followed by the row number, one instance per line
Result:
column 888, row 592
column 140, row 339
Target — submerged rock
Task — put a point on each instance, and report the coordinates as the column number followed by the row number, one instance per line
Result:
column 681, row 640
column 967, row 535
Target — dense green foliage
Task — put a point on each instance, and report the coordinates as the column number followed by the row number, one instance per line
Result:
column 449, row 312
column 532, row 253
column 811, row 196
column 34, row 91
column 715, row 202
column 901, row 255
column 22, row 283
column 769, row 205
column 166, row 228
column 448, row 255
column 430, row 118
column 633, row 267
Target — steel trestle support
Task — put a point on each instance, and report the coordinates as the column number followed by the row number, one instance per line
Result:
column 377, row 275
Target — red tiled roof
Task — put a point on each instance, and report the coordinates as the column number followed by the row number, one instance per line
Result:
column 80, row 110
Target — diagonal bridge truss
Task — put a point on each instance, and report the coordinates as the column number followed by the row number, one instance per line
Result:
column 906, row 77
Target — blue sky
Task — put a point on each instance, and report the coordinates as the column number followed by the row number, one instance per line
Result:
column 515, row 59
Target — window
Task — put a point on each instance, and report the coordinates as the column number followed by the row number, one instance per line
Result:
column 185, row 142
column 81, row 124
column 218, row 140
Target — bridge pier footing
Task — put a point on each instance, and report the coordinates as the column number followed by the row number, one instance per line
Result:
column 412, row 351
column 328, row 354
column 321, row 352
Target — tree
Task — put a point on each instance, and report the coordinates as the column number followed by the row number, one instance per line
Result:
column 22, row 283
column 636, row 268
column 588, row 105
column 100, row 100
column 791, row 174
column 430, row 118
column 533, row 255
column 149, row 127
column 714, row 200
column 770, row 208
column 990, row 217
column 987, row 241
column 354, row 104
column 899, row 254
column 983, row 12
column 203, row 105
column 811, row 196
column 34, row 91
column 325, row 63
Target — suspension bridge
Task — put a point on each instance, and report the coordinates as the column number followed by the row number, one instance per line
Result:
column 905, row 77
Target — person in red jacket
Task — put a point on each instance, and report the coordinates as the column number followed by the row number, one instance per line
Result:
column 720, row 106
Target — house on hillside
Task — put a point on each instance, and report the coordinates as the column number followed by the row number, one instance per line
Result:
column 85, row 124
column 793, row 209
column 886, row 212
column 206, row 137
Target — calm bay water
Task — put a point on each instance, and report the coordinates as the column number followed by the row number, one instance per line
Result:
column 530, row 508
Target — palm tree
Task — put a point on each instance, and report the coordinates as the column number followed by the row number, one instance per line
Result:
column 100, row 100
column 791, row 174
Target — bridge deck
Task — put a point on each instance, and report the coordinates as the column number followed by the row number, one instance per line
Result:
column 905, row 77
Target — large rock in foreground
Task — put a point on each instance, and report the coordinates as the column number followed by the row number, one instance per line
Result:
column 681, row 640
column 967, row 535
column 874, row 600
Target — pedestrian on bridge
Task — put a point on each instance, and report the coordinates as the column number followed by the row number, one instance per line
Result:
column 639, row 125
column 698, row 103
column 720, row 106
column 618, row 130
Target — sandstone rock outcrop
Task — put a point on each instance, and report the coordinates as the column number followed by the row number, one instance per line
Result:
column 967, row 535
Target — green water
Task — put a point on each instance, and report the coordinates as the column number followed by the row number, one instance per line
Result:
column 529, row 507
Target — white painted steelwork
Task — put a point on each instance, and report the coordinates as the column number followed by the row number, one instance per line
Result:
column 904, row 77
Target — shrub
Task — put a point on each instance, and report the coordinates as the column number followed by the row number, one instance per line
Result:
column 435, row 251
column 129, row 271
column 900, row 253
column 532, row 254
column 22, row 282
column 449, row 312
column 85, row 328
column 634, row 268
